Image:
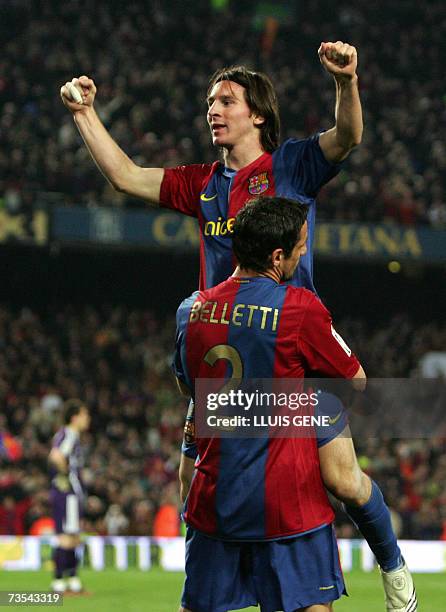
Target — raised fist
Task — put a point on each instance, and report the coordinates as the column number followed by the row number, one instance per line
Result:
column 339, row 59
column 86, row 89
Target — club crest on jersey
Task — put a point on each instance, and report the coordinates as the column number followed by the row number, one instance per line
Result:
column 258, row 184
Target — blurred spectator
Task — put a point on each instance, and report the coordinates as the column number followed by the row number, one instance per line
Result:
column 115, row 520
column 12, row 515
column 167, row 519
column 151, row 95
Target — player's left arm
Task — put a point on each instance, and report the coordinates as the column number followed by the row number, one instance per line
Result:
column 340, row 59
column 324, row 350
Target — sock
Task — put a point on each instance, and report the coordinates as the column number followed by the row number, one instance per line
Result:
column 373, row 521
column 59, row 562
column 71, row 561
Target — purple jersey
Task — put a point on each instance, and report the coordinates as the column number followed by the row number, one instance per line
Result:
column 68, row 442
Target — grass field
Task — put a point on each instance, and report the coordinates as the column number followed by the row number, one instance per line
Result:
column 159, row 591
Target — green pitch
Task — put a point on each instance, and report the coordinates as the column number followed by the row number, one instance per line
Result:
column 158, row 591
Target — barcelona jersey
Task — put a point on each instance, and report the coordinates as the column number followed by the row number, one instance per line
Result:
column 268, row 488
column 297, row 169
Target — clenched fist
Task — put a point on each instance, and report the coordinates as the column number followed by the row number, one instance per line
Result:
column 339, row 59
column 87, row 90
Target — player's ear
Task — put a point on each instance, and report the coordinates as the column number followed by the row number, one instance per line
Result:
column 276, row 258
column 259, row 120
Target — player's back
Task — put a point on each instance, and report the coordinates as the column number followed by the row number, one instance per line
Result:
column 250, row 324
column 261, row 488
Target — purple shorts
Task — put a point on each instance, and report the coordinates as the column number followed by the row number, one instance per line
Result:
column 66, row 511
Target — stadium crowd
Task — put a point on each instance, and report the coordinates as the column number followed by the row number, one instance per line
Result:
column 118, row 360
column 151, row 62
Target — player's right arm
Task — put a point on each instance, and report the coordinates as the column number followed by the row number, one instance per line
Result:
column 121, row 172
column 185, row 473
column 187, row 464
column 60, row 463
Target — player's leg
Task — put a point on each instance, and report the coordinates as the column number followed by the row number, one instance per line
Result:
column 72, row 528
column 66, row 515
column 74, row 583
column 362, row 497
column 58, row 584
column 58, row 502
column 65, row 564
column 365, row 505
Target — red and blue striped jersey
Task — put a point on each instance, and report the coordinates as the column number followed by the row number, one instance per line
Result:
column 257, row 489
column 212, row 193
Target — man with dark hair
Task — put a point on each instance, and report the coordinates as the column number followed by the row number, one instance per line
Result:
column 259, row 520
column 244, row 122
column 243, row 118
column 67, row 494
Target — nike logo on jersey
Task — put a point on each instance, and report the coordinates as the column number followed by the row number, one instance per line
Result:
column 335, row 419
column 206, row 199
column 326, row 588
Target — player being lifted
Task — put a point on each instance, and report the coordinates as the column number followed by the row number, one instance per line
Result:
column 243, row 118
column 259, row 520
column 67, row 495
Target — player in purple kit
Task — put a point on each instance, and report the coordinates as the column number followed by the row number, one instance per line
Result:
column 67, row 494
column 244, row 122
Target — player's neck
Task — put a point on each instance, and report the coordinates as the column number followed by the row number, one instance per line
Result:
column 273, row 274
column 241, row 155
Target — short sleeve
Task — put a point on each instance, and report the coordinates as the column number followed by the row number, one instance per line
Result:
column 67, row 444
column 306, row 162
column 323, row 348
column 181, row 188
column 179, row 366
